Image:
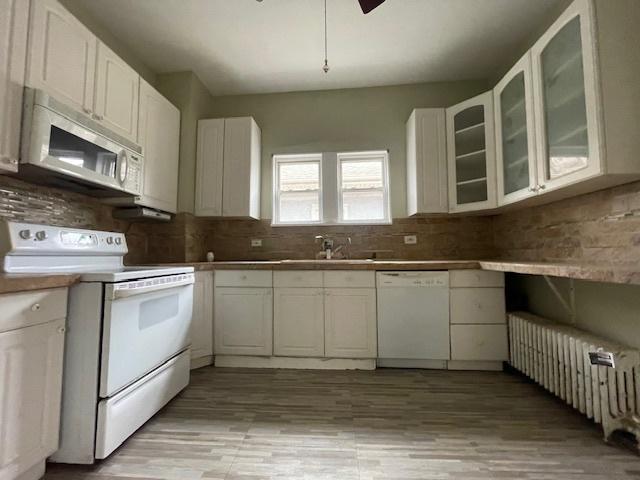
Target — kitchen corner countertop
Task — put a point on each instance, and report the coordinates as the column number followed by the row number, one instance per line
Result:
column 621, row 274
column 22, row 282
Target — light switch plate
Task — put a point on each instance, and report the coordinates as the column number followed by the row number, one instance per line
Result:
column 410, row 239
column 256, row 242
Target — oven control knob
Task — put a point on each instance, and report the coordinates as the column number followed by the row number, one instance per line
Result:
column 109, row 240
column 25, row 234
column 41, row 235
column 118, row 240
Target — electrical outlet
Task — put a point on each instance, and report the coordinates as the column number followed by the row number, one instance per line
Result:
column 256, row 242
column 410, row 239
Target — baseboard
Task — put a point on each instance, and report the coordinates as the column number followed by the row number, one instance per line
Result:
column 412, row 363
column 295, row 363
column 201, row 362
column 495, row 366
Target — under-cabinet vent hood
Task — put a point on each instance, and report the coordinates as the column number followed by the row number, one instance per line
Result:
column 141, row 213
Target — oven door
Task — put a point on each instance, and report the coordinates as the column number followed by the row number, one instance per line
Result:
column 146, row 322
column 63, row 146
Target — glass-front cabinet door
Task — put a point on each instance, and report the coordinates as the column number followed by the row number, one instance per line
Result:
column 515, row 134
column 565, row 100
column 471, row 154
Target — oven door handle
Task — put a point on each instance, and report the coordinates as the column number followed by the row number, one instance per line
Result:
column 131, row 292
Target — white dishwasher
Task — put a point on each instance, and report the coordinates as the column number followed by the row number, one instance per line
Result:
column 413, row 319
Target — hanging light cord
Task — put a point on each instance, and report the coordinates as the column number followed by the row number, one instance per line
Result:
column 325, row 68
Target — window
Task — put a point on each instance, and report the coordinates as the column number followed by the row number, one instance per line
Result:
column 331, row 188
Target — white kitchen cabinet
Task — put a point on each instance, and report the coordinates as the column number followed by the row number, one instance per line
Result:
column 350, row 322
column 228, row 168
column 477, row 306
column 479, row 343
column 202, row 320
column 209, row 165
column 427, row 162
column 159, row 135
column 471, row 154
column 62, row 55
column 243, row 321
column 516, row 159
column 31, row 357
column 117, row 93
column 14, row 19
column 585, row 94
column 298, row 322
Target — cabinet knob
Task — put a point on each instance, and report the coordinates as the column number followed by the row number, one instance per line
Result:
column 86, row 110
column 62, row 330
column 9, row 160
column 97, row 117
column 542, row 187
column 533, row 189
column 35, row 307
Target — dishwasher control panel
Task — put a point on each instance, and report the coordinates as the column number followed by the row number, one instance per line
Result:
column 413, row 279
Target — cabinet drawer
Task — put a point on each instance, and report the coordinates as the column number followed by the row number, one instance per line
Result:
column 475, row 278
column 244, row 278
column 32, row 308
column 477, row 305
column 349, row 278
column 293, row 279
column 479, row 342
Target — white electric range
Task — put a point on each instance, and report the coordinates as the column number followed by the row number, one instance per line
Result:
column 127, row 342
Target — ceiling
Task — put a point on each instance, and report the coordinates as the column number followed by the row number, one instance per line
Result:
column 245, row 46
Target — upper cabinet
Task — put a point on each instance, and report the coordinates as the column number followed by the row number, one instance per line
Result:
column 228, row 168
column 515, row 134
column 67, row 61
column 14, row 18
column 471, row 154
column 586, row 92
column 427, row 162
column 159, row 135
column 116, row 94
column 62, row 55
column 565, row 100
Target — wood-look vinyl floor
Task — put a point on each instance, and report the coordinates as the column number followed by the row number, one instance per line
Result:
column 358, row 425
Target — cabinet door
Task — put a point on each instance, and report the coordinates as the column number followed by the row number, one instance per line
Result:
column 31, row 379
column 202, row 320
column 479, row 342
column 566, row 101
column 241, row 179
column 427, row 162
column 471, row 152
column 298, row 322
column 62, row 55
column 159, row 135
column 14, row 19
column 350, row 323
column 243, row 321
column 117, row 93
column 209, row 163
column 515, row 134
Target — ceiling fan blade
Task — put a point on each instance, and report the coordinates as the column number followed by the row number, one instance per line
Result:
column 368, row 5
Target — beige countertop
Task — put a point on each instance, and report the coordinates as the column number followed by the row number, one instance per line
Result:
column 21, row 282
column 625, row 274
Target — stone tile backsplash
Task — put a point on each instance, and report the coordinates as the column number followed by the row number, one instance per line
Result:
column 598, row 227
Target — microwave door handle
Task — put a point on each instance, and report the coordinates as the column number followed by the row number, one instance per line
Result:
column 132, row 292
column 123, row 167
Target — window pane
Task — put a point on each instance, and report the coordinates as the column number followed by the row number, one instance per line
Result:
column 362, row 205
column 299, row 207
column 361, row 174
column 298, row 177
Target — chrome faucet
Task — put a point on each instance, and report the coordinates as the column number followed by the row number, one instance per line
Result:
column 327, row 245
column 327, row 248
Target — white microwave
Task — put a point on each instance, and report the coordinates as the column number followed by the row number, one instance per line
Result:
column 67, row 149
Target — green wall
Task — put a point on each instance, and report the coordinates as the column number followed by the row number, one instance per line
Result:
column 606, row 309
column 341, row 120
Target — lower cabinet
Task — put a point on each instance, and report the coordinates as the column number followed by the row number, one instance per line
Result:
column 202, row 320
column 243, row 321
column 350, row 323
column 298, row 322
column 31, row 353
column 479, row 343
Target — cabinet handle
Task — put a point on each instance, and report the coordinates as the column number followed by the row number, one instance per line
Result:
column 35, row 307
column 86, row 110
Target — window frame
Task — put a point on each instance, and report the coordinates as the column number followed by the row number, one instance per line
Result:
column 363, row 157
column 296, row 158
column 330, row 191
